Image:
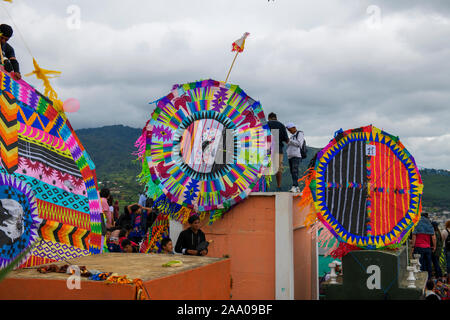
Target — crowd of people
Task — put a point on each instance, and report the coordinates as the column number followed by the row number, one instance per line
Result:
column 432, row 245
column 126, row 232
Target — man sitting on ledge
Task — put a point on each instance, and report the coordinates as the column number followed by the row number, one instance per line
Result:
column 192, row 240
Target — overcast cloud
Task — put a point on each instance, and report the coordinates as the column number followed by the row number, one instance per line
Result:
column 323, row 64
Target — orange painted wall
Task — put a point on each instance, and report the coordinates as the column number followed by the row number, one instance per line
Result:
column 247, row 234
column 305, row 261
column 45, row 289
column 209, row 282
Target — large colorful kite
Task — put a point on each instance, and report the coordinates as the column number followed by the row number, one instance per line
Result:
column 366, row 189
column 48, row 188
column 204, row 149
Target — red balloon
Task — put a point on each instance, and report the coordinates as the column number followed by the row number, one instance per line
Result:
column 71, row 105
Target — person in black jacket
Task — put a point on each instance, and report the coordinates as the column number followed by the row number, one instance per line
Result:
column 189, row 240
column 277, row 156
column 9, row 57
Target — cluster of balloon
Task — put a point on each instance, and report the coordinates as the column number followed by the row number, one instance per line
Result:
column 71, row 105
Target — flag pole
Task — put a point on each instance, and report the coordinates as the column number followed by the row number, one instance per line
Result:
column 231, row 66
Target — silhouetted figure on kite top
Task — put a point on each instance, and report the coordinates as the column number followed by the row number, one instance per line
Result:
column 9, row 60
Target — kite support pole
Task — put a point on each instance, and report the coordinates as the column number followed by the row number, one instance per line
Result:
column 231, row 66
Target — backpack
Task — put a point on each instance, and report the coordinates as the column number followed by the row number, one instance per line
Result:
column 303, row 150
column 447, row 241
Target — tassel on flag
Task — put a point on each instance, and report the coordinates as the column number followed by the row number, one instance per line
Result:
column 238, row 45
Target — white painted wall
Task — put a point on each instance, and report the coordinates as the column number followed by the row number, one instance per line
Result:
column 284, row 247
column 175, row 229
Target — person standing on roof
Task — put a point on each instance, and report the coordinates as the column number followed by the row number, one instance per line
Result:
column 277, row 151
column 107, row 214
column 294, row 153
column 446, row 243
column 9, row 60
column 437, row 253
column 424, row 243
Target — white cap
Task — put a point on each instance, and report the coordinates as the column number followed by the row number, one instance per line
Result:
column 290, row 125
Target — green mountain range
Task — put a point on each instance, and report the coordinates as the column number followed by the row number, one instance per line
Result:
column 112, row 147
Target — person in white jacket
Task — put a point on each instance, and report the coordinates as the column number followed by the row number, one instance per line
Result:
column 294, row 154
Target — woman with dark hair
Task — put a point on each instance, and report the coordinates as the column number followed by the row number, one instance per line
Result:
column 141, row 220
column 125, row 218
column 116, row 211
column 110, row 203
column 104, row 195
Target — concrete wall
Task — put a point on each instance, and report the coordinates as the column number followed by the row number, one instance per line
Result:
column 247, row 235
column 208, row 282
column 272, row 256
column 305, row 257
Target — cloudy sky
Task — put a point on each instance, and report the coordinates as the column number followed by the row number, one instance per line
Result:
column 324, row 64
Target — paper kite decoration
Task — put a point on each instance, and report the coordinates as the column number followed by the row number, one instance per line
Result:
column 204, row 149
column 48, row 193
column 239, row 44
column 366, row 189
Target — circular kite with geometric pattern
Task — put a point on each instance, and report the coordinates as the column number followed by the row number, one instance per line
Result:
column 366, row 188
column 207, row 145
column 40, row 150
column 19, row 219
